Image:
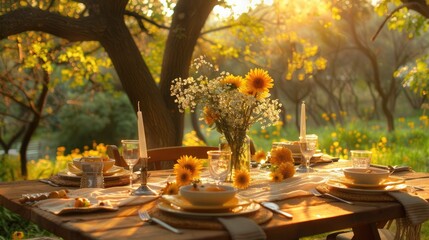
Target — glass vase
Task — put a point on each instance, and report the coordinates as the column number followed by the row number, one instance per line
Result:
column 240, row 154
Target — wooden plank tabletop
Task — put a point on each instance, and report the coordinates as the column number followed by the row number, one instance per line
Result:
column 312, row 215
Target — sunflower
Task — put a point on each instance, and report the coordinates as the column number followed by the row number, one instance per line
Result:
column 233, row 81
column 258, row 81
column 191, row 163
column 287, row 169
column 17, row 235
column 171, row 189
column 209, row 116
column 183, row 176
column 241, row 179
column 276, row 176
column 259, row 155
column 281, row 155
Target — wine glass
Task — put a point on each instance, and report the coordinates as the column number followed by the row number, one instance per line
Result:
column 308, row 147
column 219, row 164
column 131, row 155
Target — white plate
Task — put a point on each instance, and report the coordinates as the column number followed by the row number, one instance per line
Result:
column 240, row 210
column 389, row 181
column 342, row 187
column 186, row 205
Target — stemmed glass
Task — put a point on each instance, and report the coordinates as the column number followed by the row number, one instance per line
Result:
column 308, row 148
column 130, row 153
column 219, row 164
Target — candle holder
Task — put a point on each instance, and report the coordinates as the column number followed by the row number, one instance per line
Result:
column 144, row 189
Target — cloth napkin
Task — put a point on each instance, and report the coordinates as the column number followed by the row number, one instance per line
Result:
column 416, row 208
column 115, row 196
column 292, row 187
column 241, row 228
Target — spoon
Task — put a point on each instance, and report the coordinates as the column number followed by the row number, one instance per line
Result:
column 275, row 208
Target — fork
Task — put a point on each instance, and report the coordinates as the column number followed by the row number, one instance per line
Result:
column 145, row 217
column 318, row 194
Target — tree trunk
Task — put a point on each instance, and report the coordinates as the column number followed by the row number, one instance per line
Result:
column 135, row 76
column 32, row 126
column 188, row 20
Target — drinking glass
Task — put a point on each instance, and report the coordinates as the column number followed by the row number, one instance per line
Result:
column 219, row 164
column 131, row 155
column 308, row 147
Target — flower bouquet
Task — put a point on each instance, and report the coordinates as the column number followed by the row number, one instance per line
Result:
column 229, row 103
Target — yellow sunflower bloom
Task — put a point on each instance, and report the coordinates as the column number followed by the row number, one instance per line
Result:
column 241, row 179
column 287, row 169
column 276, row 176
column 171, row 189
column 183, row 176
column 191, row 163
column 259, row 155
column 281, row 155
column 234, row 81
column 258, row 83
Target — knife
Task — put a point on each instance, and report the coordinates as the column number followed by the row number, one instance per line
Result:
column 49, row 182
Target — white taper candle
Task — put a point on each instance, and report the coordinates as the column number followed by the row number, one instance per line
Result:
column 142, row 137
column 302, row 131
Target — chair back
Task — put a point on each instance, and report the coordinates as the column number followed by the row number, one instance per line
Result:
column 165, row 158
column 162, row 158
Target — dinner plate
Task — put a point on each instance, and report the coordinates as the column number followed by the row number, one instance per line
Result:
column 239, row 210
column 110, row 172
column 342, row 187
column 69, row 175
column 389, row 181
column 184, row 204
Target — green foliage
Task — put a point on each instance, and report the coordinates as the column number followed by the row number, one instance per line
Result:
column 98, row 116
column 416, row 76
column 11, row 222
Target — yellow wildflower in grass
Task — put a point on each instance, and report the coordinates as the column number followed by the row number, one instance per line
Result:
column 259, row 155
column 17, row 235
column 276, row 176
column 411, row 125
column 241, row 179
column 287, row 169
column 171, row 189
column 258, row 83
column 191, row 163
column 183, row 176
column 281, row 155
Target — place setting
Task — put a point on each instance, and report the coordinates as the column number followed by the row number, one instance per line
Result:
column 80, row 168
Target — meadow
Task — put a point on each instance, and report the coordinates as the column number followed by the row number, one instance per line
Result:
column 407, row 145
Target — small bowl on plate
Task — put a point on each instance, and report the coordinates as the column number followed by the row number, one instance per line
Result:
column 370, row 176
column 207, row 194
column 107, row 163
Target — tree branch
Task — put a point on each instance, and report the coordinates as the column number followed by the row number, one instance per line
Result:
column 141, row 18
column 411, row 5
column 34, row 19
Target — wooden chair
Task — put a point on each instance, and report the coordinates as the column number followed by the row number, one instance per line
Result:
column 163, row 158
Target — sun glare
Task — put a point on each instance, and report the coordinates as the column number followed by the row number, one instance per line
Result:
column 238, row 7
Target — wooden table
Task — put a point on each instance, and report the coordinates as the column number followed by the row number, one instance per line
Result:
column 312, row 215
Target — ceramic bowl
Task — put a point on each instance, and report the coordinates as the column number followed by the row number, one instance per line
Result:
column 372, row 176
column 207, row 194
column 107, row 163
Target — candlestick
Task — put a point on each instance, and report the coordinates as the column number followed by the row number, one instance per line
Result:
column 302, row 132
column 142, row 137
